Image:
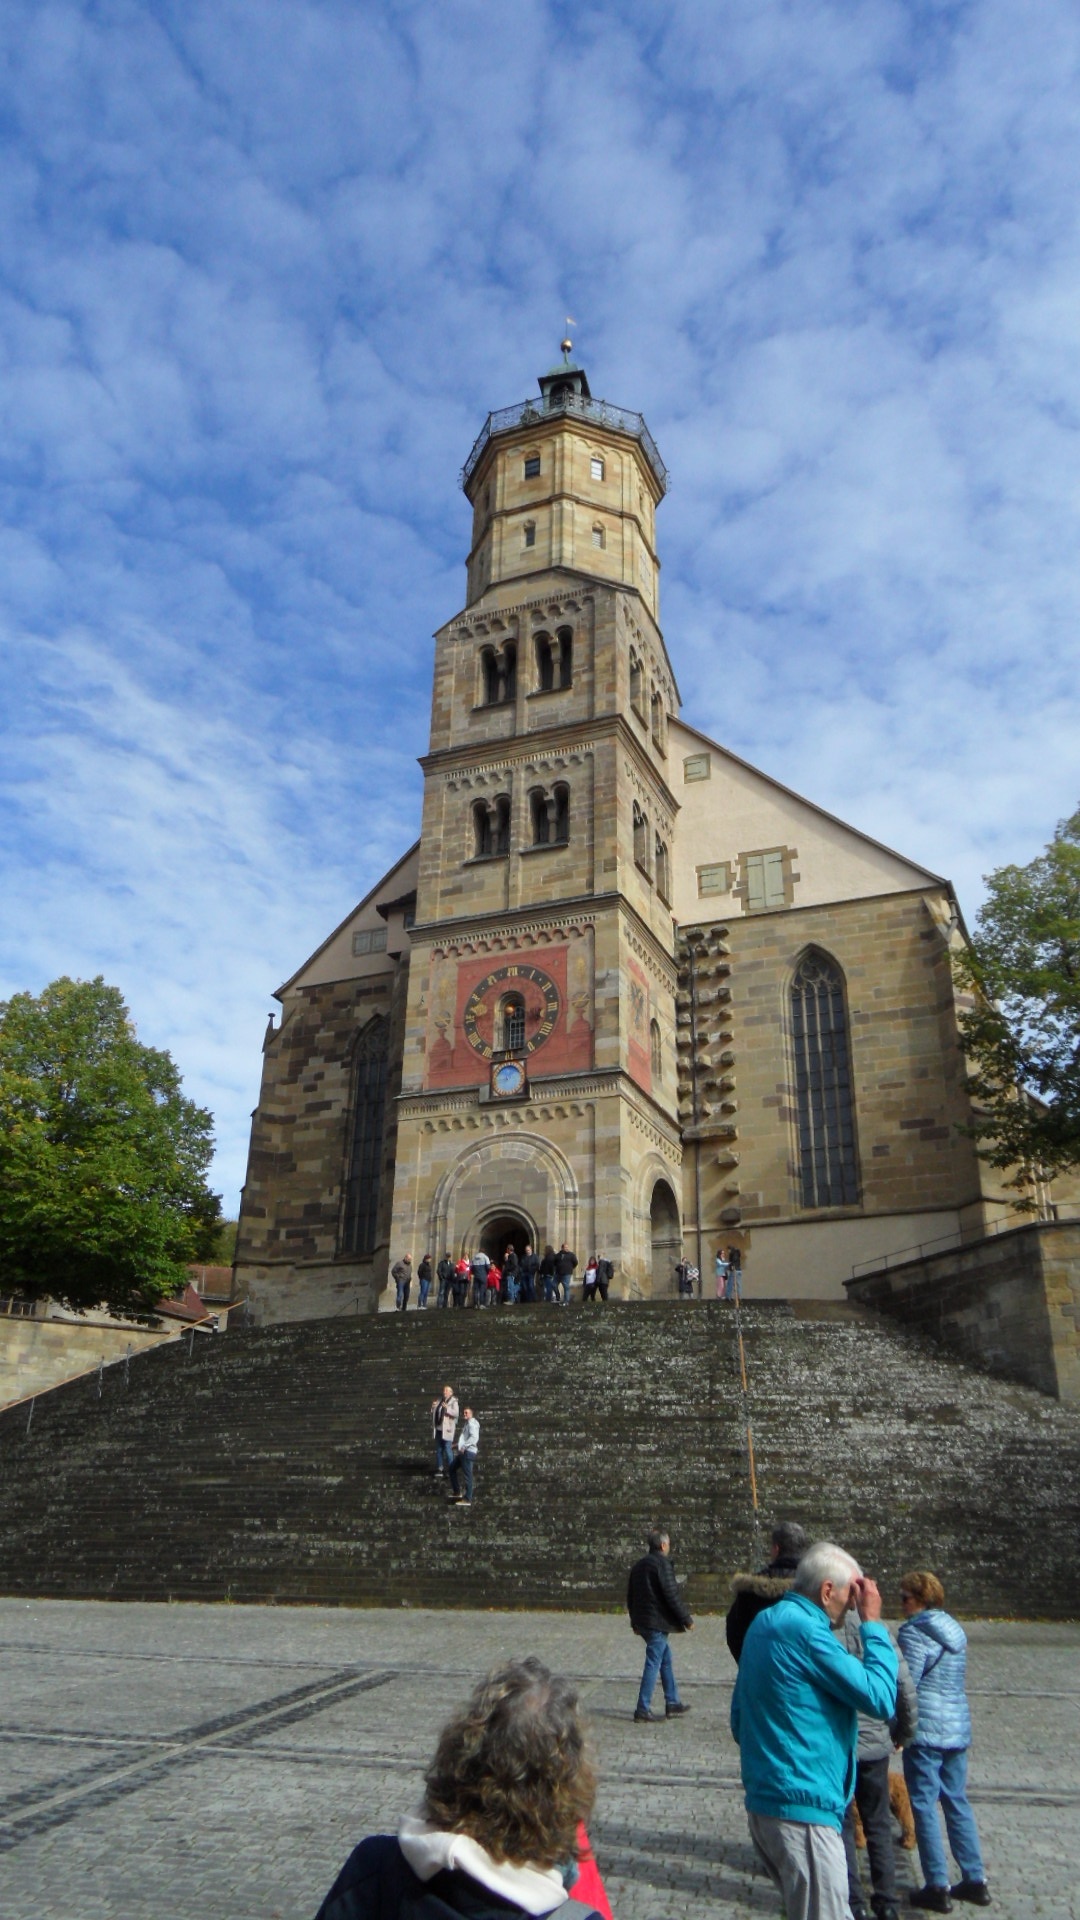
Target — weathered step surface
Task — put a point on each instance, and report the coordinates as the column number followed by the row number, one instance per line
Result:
column 294, row 1463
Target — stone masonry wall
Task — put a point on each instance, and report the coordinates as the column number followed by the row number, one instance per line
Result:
column 1010, row 1303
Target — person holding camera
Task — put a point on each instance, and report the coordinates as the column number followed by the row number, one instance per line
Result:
column 794, row 1716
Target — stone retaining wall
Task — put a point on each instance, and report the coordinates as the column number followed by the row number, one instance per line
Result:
column 1010, row 1303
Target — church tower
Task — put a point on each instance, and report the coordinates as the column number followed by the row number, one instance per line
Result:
column 538, row 1093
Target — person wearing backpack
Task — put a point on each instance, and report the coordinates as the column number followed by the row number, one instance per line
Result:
column 498, row 1833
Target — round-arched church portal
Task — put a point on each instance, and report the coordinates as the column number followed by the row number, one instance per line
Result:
column 666, row 1239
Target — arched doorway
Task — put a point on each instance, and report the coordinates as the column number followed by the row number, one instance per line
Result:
column 507, row 1230
column 666, row 1239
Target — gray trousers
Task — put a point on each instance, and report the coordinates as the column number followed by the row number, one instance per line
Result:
column 806, row 1864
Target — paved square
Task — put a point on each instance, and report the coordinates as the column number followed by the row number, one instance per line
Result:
column 191, row 1762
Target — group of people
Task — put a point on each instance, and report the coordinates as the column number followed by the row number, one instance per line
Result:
column 476, row 1280
column 500, row 1832
column 823, row 1698
column 727, row 1274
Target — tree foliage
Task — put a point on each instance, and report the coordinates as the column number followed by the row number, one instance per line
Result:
column 1022, row 1032
column 103, row 1162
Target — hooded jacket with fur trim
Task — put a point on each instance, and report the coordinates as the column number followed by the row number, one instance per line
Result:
column 753, row 1593
column 425, row 1874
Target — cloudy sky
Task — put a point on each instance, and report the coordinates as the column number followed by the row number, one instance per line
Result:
column 266, row 266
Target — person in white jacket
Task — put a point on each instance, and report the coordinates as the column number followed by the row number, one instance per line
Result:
column 467, row 1447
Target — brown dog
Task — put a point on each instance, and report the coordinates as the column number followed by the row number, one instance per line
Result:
column 899, row 1807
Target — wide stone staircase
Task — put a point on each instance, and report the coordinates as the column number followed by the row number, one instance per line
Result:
column 294, row 1463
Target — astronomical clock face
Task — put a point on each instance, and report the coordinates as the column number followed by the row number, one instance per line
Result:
column 482, row 1009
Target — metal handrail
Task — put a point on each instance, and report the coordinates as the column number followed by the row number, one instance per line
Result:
column 532, row 412
column 963, row 1237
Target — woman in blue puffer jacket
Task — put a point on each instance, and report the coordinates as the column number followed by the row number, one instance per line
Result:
column 935, row 1764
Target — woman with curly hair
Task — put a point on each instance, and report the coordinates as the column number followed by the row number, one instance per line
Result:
column 935, row 1763
column 497, row 1833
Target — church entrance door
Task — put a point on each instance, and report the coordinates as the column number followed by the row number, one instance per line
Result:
column 509, row 1230
column 666, row 1239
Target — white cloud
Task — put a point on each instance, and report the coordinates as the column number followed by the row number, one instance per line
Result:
column 270, row 265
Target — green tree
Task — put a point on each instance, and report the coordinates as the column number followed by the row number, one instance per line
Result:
column 1022, row 1032
column 103, row 1195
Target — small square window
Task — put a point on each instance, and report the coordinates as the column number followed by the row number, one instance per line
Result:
column 532, row 466
column 596, row 467
column 598, row 536
column 369, row 940
column 714, row 878
column 697, row 766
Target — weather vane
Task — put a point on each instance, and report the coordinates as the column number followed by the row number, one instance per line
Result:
column 567, row 344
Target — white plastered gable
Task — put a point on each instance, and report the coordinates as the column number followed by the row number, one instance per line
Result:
column 338, row 958
column 743, row 839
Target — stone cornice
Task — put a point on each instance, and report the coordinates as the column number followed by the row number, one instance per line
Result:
column 580, row 911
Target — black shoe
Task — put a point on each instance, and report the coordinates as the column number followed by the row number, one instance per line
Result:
column 884, row 1910
column 975, row 1891
column 933, row 1899
column 858, row 1912
column 642, row 1713
column 675, row 1707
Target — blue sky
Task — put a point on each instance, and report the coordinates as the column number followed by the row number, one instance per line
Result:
column 266, row 267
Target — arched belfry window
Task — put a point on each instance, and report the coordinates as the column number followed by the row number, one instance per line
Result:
column 641, row 839
column 363, row 1172
column 656, row 1049
column 511, row 1028
column 545, row 663
column 828, row 1165
column 565, row 639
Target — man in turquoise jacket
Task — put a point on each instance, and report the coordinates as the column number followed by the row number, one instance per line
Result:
column 794, row 1715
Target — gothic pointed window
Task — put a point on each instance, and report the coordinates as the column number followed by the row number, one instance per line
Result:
column 828, row 1163
column 656, row 710
column 363, row 1170
column 663, row 871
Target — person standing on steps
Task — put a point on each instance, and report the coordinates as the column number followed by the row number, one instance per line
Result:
column 547, row 1274
column 445, row 1274
column 480, row 1264
column 686, row 1274
column 462, row 1274
column 444, row 1414
column 423, row 1275
column 794, row 1716
column 657, row 1609
column 467, row 1448
column 401, row 1275
column 605, row 1273
column 565, row 1262
column 529, row 1268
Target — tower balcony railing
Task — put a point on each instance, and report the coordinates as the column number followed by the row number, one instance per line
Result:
column 533, row 412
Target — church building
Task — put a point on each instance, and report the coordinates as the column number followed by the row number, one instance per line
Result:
column 624, row 991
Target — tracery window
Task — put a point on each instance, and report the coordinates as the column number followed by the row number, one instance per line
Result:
column 363, row 1178
column 828, row 1163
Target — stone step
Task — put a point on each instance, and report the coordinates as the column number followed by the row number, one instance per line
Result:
column 294, row 1463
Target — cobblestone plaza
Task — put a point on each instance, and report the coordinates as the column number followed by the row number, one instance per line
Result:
column 195, row 1762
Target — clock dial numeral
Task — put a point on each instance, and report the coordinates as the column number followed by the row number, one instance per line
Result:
column 479, row 1007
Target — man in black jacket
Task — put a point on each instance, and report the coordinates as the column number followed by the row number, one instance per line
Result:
column 755, row 1591
column 656, row 1608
